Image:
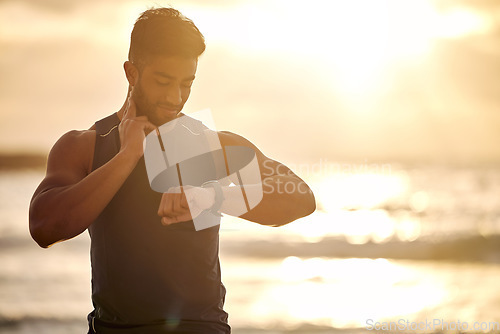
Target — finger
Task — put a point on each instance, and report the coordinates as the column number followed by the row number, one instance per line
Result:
column 169, row 206
column 145, row 124
column 180, row 204
column 184, row 202
column 160, row 207
column 130, row 110
column 149, row 127
column 167, row 221
column 132, row 107
column 175, row 205
column 177, row 208
column 165, row 208
column 176, row 219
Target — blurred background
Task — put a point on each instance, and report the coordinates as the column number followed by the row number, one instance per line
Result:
column 389, row 109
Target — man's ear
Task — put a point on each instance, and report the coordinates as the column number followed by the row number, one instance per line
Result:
column 132, row 73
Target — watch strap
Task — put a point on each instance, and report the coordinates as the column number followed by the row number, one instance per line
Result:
column 219, row 196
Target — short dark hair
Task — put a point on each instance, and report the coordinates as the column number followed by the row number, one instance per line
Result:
column 166, row 32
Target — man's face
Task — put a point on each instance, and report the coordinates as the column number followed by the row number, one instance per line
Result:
column 164, row 86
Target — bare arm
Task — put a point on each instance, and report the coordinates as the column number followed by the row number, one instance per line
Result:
column 70, row 198
column 285, row 197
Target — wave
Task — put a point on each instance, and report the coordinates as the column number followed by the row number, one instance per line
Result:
column 30, row 324
column 472, row 248
column 38, row 321
column 22, row 161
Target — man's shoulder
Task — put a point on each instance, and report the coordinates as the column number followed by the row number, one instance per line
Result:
column 79, row 138
column 228, row 138
column 76, row 146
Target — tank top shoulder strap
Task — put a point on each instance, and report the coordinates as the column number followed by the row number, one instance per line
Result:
column 192, row 124
column 107, row 142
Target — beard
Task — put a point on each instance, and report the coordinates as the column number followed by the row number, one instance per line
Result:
column 145, row 107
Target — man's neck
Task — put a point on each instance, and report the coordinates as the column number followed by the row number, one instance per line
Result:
column 122, row 110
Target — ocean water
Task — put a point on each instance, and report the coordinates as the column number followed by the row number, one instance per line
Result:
column 403, row 244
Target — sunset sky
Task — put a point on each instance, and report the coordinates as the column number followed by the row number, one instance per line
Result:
column 364, row 80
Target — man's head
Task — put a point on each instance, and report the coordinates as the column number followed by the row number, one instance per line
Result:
column 163, row 56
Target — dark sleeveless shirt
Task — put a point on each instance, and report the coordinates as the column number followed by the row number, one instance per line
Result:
column 146, row 275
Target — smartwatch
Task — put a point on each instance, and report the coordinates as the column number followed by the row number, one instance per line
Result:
column 219, row 196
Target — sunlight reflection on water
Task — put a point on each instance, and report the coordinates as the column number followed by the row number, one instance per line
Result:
column 344, row 293
column 361, row 190
column 268, row 287
column 383, row 287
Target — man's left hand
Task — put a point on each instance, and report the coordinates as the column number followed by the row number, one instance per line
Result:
column 185, row 203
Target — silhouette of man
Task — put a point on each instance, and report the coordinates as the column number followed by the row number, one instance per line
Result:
column 152, row 272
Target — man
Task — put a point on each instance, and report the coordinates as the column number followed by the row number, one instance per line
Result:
column 152, row 272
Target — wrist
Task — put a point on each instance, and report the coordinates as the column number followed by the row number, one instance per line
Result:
column 211, row 197
column 127, row 158
column 218, row 196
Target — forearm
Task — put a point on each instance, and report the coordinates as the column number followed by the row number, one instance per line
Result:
column 64, row 212
column 284, row 199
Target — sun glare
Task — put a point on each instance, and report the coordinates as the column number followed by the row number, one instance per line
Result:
column 359, row 191
column 357, row 41
column 338, row 292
